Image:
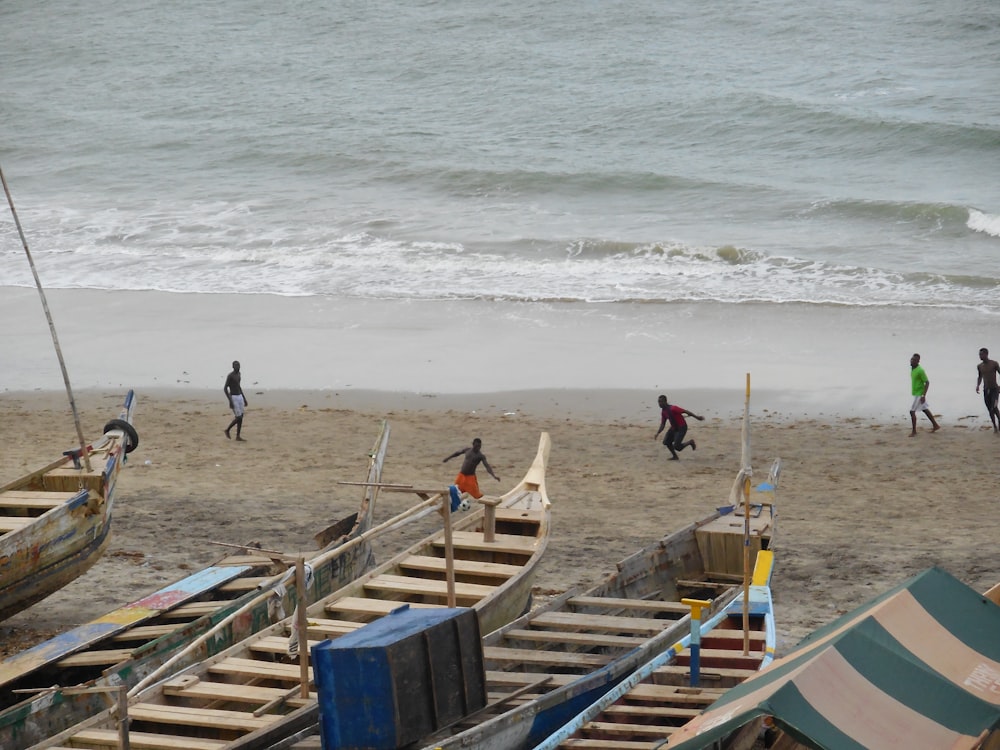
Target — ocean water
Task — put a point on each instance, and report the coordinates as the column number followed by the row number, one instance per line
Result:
column 839, row 152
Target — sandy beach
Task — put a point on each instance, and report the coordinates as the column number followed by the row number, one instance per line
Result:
column 862, row 506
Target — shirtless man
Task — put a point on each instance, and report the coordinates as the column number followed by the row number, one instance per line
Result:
column 466, row 479
column 988, row 369
column 237, row 401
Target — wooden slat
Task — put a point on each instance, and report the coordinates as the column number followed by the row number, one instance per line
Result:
column 144, row 740
column 255, row 668
column 13, row 523
column 539, row 656
column 200, row 717
column 609, row 623
column 242, row 585
column 646, row 605
column 427, row 587
column 462, row 567
column 707, row 672
column 208, row 690
column 499, row 678
column 585, row 744
column 520, row 514
column 507, row 543
column 701, row 696
column 357, row 605
column 629, row 730
column 275, row 644
column 321, row 628
column 146, row 632
column 652, row 712
column 192, row 610
column 576, row 639
column 32, row 500
column 96, row 658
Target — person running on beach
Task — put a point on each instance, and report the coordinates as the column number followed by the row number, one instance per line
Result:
column 919, row 383
column 988, row 369
column 466, row 479
column 674, row 439
column 237, row 401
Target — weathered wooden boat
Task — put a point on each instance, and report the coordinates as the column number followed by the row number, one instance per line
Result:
column 552, row 663
column 54, row 522
column 668, row 691
column 129, row 643
column 254, row 693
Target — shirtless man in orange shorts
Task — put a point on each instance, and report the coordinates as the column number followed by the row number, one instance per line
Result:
column 466, row 479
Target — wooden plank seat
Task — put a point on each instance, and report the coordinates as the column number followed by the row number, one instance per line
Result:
column 548, row 658
column 97, row 658
column 242, row 585
column 430, row 564
column 603, row 744
column 733, row 638
column 508, row 543
column 500, row 678
column 358, row 605
column 102, row 738
column 608, row 623
column 707, row 584
column 196, row 689
column 322, row 628
column 523, row 515
column 259, row 668
column 145, row 632
column 200, row 717
column 647, row 712
column 645, row 605
column 707, row 672
column 193, row 610
column 575, row 639
column 720, row 657
column 610, row 728
column 34, row 499
column 276, row 644
column 699, row 696
column 13, row 523
column 427, row 587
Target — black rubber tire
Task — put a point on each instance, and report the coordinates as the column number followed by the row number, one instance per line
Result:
column 131, row 436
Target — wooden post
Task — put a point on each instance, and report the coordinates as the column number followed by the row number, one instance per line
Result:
column 303, row 624
column 449, row 549
column 490, row 518
column 123, row 719
column 696, row 605
column 747, row 472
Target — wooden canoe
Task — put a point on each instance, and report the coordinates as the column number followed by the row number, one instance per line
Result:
column 643, row 711
column 557, row 660
column 129, row 643
column 54, row 521
column 250, row 695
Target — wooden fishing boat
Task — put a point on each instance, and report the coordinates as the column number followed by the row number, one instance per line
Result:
column 254, row 693
column 54, row 522
column 668, row 691
column 554, row 662
column 129, row 643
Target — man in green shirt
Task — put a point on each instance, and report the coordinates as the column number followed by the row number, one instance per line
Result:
column 919, row 383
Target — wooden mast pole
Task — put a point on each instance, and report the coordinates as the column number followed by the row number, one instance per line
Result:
column 747, row 473
column 52, row 328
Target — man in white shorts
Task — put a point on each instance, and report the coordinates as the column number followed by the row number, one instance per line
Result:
column 237, row 401
column 919, row 383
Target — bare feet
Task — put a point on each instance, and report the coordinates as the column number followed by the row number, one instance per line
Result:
column 228, row 435
column 935, row 428
column 239, row 439
column 912, row 434
column 673, row 458
column 693, row 446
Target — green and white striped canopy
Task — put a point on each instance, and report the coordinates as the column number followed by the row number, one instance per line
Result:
column 916, row 668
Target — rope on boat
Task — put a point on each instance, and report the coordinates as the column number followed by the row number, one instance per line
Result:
column 52, row 328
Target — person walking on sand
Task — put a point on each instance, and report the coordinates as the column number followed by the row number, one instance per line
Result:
column 674, row 439
column 466, row 479
column 237, row 401
column 988, row 370
column 919, row 383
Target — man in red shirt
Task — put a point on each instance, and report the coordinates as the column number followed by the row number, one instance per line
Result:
column 674, row 439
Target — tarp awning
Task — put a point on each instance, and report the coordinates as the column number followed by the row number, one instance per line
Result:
column 918, row 667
